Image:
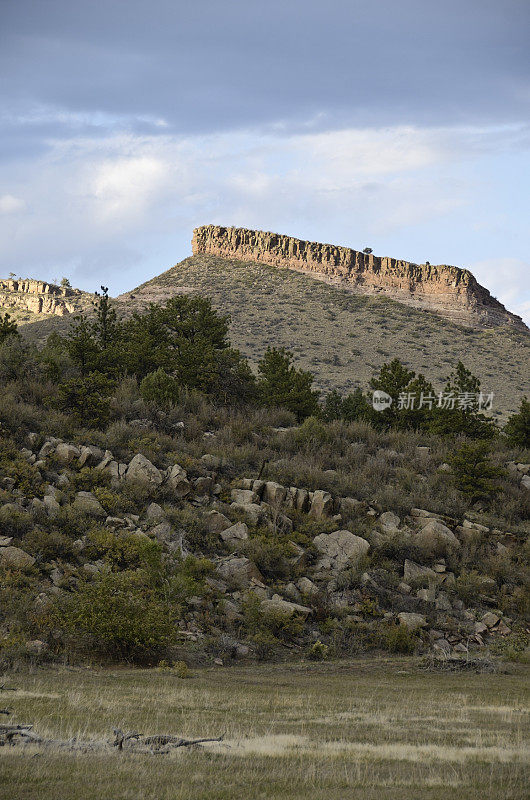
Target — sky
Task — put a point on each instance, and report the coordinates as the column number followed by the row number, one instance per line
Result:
column 402, row 126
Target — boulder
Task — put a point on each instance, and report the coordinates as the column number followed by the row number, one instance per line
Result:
column 253, row 511
column 274, row 493
column 490, row 619
column 321, row 504
column 244, row 497
column 90, row 456
column 339, row 549
column 525, row 482
column 389, row 522
column 235, row 534
column 154, row 513
column 51, row 505
column 413, row 572
column 141, row 470
column 215, row 522
column 15, row 557
column 86, row 503
column 238, row 571
column 66, row 453
column 435, row 539
column 162, row 532
column 302, row 500
column 307, row 587
column 177, row 480
column 278, row 605
column 412, row 621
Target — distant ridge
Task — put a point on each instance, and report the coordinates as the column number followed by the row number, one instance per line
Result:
column 452, row 292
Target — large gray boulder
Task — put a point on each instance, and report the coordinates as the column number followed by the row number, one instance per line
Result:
column 86, row 503
column 339, row 550
column 15, row 557
column 436, row 539
column 244, row 497
column 239, row 571
column 141, row 470
column 215, row 522
column 389, row 522
column 274, row 493
column 235, row 534
column 66, row 453
column 412, row 621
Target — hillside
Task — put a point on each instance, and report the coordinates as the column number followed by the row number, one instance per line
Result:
column 342, row 337
column 29, row 299
column 452, row 292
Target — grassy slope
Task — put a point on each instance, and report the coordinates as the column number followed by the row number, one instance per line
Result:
column 376, row 730
column 341, row 337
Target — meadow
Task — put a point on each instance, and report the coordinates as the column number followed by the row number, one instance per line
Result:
column 369, row 728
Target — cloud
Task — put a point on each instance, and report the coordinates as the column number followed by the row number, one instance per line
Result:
column 124, row 188
column 10, row 204
column 121, row 207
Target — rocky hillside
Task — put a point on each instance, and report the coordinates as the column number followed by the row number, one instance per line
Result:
column 27, row 299
column 342, row 338
column 262, row 568
column 450, row 291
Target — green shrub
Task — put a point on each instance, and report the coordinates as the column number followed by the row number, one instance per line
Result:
column 123, row 550
column 399, row 639
column 160, row 388
column 87, row 399
column 119, row 616
column 318, row 651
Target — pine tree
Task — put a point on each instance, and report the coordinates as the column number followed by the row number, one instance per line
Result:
column 517, row 429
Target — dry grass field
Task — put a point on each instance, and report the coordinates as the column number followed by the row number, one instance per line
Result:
column 369, row 729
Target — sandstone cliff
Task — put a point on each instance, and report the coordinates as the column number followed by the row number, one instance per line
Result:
column 39, row 297
column 452, row 292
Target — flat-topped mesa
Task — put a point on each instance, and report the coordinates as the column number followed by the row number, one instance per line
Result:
column 39, row 297
column 452, row 292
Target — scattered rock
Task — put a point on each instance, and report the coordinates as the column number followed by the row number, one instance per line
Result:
column 141, row 470
column 15, row 557
column 339, row 549
column 238, row 571
column 412, row 621
column 86, row 503
column 435, row 539
column 278, row 604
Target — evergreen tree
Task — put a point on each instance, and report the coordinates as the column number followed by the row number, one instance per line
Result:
column 461, row 414
column 517, row 429
column 473, row 473
column 281, row 384
column 8, row 327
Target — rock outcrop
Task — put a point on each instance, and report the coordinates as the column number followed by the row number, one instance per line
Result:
column 452, row 292
column 39, row 297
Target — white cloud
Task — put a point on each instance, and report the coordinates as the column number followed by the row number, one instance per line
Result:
column 10, row 204
column 100, row 203
column 125, row 187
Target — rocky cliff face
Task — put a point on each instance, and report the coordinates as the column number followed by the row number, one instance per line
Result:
column 452, row 292
column 39, row 297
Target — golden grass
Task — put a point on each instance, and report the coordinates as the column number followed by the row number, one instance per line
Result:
column 364, row 729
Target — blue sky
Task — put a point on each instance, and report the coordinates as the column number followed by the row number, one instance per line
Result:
column 402, row 126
